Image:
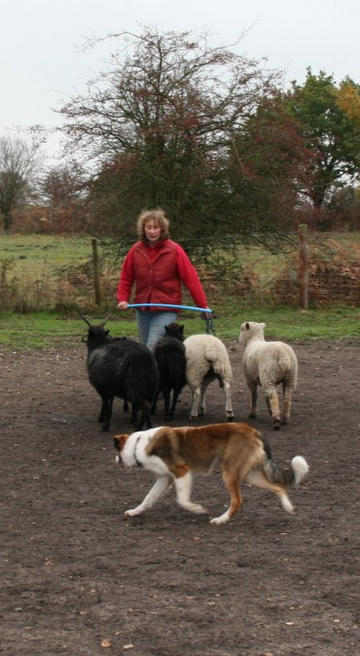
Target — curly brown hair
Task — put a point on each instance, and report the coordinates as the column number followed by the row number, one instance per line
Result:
column 158, row 216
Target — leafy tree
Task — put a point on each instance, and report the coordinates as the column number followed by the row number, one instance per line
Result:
column 330, row 133
column 159, row 124
column 19, row 163
column 344, row 208
column 348, row 99
column 266, row 168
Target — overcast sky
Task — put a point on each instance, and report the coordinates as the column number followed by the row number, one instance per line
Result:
column 42, row 64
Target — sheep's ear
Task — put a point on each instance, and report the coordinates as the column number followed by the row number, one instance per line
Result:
column 263, row 326
column 182, row 329
column 247, row 325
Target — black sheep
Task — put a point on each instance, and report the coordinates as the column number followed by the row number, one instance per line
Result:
column 123, row 368
column 169, row 352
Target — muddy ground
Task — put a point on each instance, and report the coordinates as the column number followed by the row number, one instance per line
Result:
column 80, row 579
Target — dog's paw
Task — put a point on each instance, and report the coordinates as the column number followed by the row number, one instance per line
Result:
column 194, row 508
column 222, row 519
column 132, row 512
column 198, row 509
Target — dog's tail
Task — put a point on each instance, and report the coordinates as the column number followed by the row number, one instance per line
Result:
column 293, row 476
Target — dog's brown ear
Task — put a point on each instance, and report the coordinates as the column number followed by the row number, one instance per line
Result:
column 119, row 441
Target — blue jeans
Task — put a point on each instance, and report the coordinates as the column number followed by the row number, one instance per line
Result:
column 151, row 325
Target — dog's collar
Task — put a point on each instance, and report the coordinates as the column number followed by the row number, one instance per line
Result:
column 136, row 460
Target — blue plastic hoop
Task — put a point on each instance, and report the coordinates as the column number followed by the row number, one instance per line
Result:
column 169, row 305
column 209, row 320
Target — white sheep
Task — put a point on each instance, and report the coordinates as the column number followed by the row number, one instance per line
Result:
column 268, row 364
column 207, row 359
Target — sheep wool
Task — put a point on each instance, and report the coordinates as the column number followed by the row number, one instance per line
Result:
column 207, row 359
column 268, row 364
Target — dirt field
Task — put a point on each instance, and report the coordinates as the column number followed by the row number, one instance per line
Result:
column 79, row 579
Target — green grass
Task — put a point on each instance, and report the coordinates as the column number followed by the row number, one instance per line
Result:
column 54, row 272
column 45, row 330
column 35, row 259
column 295, row 324
column 49, row 272
column 32, row 254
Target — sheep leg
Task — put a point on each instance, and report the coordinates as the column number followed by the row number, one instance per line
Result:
column 196, row 393
column 167, row 402
column 176, row 393
column 228, row 404
column 158, row 490
column 105, row 403
column 202, row 403
column 145, row 417
column 102, row 412
column 268, row 404
column 153, row 407
column 134, row 411
column 285, row 415
column 273, row 401
column 106, row 411
column 253, row 390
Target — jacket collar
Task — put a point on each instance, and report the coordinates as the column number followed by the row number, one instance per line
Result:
column 159, row 244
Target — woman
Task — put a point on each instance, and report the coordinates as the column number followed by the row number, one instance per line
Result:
column 158, row 266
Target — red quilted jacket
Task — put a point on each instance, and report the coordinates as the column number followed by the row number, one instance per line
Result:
column 158, row 272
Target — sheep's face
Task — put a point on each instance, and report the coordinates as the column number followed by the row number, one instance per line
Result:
column 175, row 330
column 97, row 336
column 250, row 330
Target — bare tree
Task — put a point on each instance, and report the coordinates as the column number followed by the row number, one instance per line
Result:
column 19, row 165
column 64, row 191
column 63, row 184
column 159, row 123
column 171, row 86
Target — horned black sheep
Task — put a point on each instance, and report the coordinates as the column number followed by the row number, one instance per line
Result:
column 124, row 368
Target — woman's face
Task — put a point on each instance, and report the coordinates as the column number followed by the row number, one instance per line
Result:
column 152, row 231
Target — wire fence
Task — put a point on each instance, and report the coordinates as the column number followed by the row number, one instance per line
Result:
column 307, row 270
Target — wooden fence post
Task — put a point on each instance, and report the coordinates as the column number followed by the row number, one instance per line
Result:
column 303, row 266
column 96, row 272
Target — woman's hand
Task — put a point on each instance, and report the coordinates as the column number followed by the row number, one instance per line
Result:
column 206, row 315
column 122, row 305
